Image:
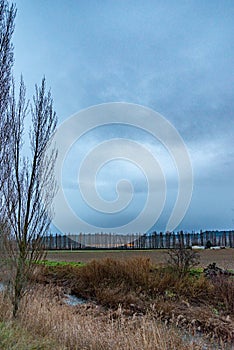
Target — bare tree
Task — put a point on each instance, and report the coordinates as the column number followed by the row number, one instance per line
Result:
column 182, row 259
column 30, row 185
column 27, row 183
column 7, row 17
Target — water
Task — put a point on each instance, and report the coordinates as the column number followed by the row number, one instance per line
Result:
column 72, row 300
column 2, row 287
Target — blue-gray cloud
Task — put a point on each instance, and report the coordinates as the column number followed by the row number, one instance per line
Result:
column 175, row 57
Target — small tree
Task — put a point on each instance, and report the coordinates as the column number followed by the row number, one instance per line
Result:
column 30, row 186
column 182, row 259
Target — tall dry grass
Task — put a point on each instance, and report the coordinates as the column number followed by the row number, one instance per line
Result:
column 138, row 306
column 14, row 336
column 191, row 302
column 90, row 327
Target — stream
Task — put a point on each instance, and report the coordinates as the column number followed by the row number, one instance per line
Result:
column 69, row 299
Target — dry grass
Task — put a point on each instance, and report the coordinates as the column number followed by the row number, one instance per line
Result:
column 224, row 292
column 90, row 327
column 133, row 305
column 190, row 302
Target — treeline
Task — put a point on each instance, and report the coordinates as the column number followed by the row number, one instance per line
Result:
column 153, row 240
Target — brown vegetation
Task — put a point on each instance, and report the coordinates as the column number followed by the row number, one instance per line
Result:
column 191, row 302
column 91, row 327
column 131, row 304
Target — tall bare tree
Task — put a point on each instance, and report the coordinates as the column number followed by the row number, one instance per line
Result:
column 30, row 186
column 7, row 17
column 27, row 183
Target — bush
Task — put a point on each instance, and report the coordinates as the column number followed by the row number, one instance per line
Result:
column 182, row 259
column 224, row 292
column 111, row 281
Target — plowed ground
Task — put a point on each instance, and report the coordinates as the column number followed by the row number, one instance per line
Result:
column 224, row 258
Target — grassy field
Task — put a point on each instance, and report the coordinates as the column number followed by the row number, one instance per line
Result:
column 224, row 258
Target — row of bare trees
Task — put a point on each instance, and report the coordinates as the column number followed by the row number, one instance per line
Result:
column 27, row 183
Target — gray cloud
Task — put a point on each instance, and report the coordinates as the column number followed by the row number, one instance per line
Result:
column 174, row 57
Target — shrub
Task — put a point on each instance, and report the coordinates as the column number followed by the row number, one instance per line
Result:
column 224, row 292
column 182, row 259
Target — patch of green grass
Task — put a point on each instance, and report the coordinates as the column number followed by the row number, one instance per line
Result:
column 60, row 263
column 196, row 271
column 13, row 337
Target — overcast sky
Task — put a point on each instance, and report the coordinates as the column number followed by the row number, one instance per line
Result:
column 175, row 57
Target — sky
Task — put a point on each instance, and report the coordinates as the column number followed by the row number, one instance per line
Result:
column 172, row 57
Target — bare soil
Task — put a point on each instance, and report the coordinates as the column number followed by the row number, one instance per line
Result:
column 223, row 258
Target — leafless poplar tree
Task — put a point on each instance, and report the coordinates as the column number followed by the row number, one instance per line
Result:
column 30, row 186
column 27, row 182
column 7, row 17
